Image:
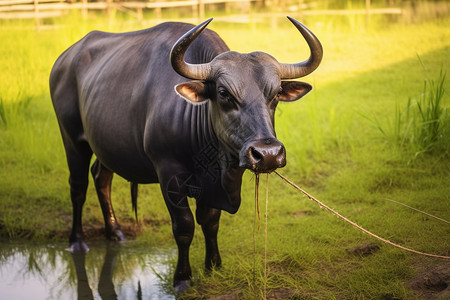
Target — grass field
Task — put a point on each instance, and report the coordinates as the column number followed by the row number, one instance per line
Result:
column 357, row 138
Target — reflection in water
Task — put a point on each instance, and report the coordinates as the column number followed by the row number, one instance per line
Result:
column 105, row 272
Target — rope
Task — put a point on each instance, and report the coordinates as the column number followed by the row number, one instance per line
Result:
column 418, row 210
column 356, row 225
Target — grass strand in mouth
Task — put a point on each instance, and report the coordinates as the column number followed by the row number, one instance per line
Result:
column 257, row 200
column 257, row 214
column 254, row 226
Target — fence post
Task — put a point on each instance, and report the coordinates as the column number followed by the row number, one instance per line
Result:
column 158, row 12
column 140, row 14
column 195, row 11
column 367, row 12
column 84, row 10
column 201, row 8
column 110, row 12
column 36, row 14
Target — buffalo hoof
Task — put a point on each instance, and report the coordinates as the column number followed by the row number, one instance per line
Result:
column 181, row 286
column 116, row 235
column 213, row 264
column 78, row 247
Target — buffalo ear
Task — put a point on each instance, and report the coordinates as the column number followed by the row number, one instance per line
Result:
column 293, row 90
column 192, row 91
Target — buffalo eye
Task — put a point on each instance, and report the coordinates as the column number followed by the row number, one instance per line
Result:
column 277, row 96
column 226, row 96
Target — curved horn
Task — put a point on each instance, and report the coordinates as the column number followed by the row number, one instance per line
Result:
column 198, row 71
column 291, row 71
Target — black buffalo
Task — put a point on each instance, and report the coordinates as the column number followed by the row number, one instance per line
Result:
column 124, row 97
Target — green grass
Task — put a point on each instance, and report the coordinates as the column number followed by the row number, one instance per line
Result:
column 332, row 151
column 422, row 126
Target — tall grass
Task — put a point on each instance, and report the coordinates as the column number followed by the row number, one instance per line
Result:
column 13, row 111
column 420, row 127
column 433, row 118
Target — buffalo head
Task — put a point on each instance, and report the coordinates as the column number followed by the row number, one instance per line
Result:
column 243, row 91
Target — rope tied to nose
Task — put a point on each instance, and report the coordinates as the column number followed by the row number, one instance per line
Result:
column 356, row 225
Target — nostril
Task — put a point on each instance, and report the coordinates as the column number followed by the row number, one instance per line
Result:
column 255, row 155
column 264, row 155
column 281, row 157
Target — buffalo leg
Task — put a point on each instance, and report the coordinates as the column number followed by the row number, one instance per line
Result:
column 102, row 180
column 183, row 231
column 209, row 218
column 78, row 162
column 175, row 193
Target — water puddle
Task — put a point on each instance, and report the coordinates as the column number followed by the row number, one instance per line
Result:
column 107, row 271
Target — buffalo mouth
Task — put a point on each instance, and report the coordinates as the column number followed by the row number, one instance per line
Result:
column 263, row 156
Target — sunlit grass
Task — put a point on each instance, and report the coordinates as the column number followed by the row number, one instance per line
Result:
column 421, row 126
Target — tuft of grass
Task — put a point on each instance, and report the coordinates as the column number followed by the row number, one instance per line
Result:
column 432, row 116
column 421, row 126
column 11, row 112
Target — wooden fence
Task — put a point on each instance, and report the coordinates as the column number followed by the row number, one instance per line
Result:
column 38, row 9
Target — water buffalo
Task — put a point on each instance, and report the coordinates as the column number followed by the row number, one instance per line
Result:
column 124, row 97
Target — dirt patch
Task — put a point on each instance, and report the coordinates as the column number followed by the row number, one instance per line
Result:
column 96, row 230
column 302, row 213
column 433, row 282
column 233, row 295
column 280, row 293
column 364, row 250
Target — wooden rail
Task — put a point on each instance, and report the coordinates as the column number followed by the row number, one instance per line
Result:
column 41, row 9
column 17, row 9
